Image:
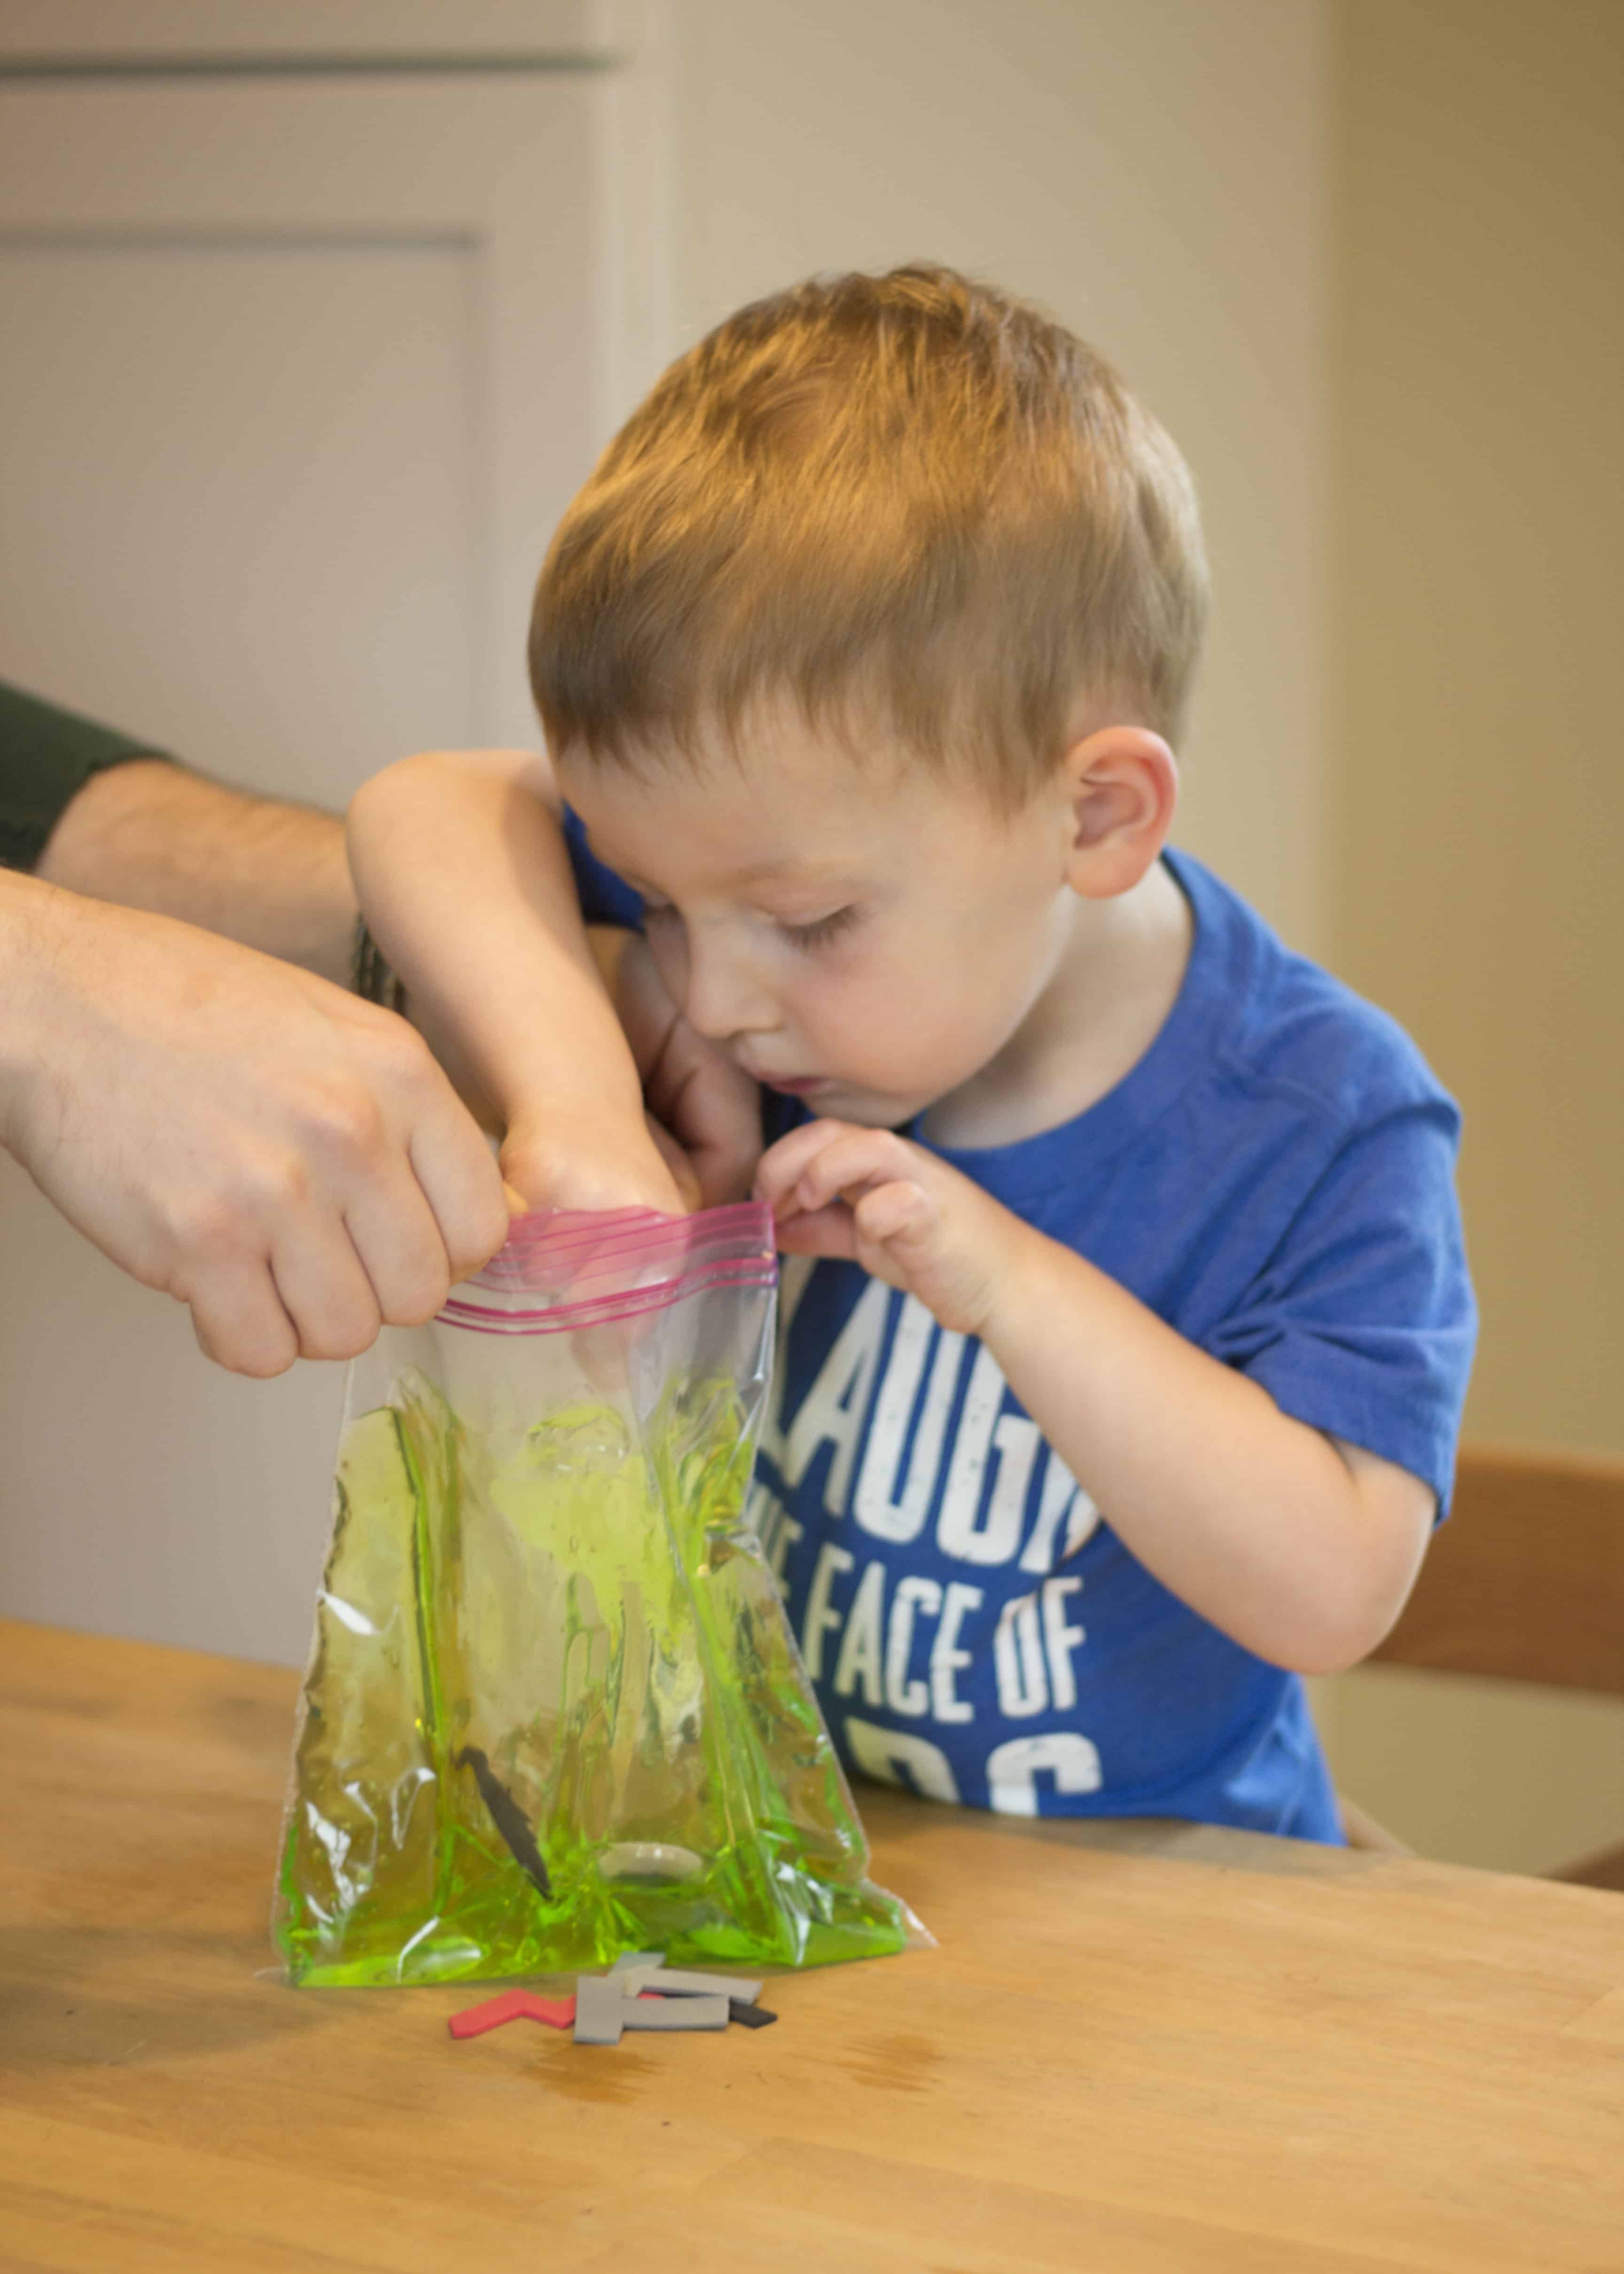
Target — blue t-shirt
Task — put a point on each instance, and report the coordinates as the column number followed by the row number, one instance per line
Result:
column 1276, row 1179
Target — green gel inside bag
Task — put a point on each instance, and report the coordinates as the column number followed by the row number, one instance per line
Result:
column 553, row 1709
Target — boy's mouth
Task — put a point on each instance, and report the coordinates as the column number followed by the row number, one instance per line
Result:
column 803, row 1088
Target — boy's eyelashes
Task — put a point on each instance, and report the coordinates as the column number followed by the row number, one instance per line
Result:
column 806, row 936
column 821, row 930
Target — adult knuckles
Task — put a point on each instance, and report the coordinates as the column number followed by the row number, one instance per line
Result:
column 416, row 1304
column 253, row 1197
column 339, row 1338
column 217, row 1226
column 347, row 1127
column 399, row 1061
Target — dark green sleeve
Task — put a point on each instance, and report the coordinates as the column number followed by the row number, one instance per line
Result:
column 46, row 755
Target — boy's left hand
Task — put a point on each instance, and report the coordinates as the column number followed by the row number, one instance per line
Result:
column 873, row 1198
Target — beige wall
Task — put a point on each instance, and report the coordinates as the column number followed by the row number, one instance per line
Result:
column 1480, row 821
column 1153, row 170
column 1475, row 830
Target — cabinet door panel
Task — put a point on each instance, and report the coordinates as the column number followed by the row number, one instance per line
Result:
column 234, row 515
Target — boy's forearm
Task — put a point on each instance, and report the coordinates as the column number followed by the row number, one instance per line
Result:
column 462, row 873
column 1301, row 1553
column 465, row 881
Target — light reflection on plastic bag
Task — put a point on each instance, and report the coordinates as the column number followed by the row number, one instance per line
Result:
column 553, row 1710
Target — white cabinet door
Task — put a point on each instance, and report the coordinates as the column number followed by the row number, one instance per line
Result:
column 297, row 371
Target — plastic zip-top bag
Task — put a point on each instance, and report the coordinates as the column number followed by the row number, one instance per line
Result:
column 553, row 1709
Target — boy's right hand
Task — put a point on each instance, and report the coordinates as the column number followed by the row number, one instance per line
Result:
column 701, row 1131
column 559, row 1160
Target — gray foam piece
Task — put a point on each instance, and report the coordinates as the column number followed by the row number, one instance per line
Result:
column 673, row 2013
column 628, row 1958
column 601, row 2007
column 674, row 1982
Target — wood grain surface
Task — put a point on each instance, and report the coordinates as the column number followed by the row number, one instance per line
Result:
column 1139, row 2049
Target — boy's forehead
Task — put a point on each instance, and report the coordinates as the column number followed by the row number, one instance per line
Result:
column 763, row 819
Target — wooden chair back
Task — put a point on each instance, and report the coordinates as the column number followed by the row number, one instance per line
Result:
column 1525, row 1582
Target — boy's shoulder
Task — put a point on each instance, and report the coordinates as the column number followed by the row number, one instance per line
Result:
column 1275, row 1026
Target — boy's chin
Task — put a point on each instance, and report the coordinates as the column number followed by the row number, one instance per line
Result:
column 866, row 1109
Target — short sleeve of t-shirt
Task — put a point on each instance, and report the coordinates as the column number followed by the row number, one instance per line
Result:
column 47, row 756
column 1361, row 1323
column 605, row 898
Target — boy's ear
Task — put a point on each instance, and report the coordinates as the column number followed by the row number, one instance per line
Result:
column 1120, row 785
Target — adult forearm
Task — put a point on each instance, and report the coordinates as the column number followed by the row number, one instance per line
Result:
column 273, row 875
column 24, row 900
column 1300, row 1551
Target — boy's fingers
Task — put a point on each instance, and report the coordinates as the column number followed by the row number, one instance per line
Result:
column 829, row 1232
column 780, row 1166
column 894, row 1212
column 846, row 1164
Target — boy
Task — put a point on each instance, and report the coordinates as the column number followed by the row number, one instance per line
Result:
column 1119, row 1384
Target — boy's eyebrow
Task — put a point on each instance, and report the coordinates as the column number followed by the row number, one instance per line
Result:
column 769, row 872
column 761, row 872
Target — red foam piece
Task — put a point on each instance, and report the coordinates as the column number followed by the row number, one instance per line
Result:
column 513, row 2005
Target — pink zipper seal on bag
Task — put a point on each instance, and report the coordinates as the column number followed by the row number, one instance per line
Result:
column 617, row 1263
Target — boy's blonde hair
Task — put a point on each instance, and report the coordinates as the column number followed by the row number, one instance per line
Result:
column 906, row 497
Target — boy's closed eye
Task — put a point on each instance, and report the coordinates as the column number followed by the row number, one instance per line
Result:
column 821, row 930
column 815, row 933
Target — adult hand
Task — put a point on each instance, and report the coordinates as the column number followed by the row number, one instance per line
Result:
column 286, row 1160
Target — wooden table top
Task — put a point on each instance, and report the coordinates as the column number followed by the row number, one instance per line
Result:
column 1137, row 2049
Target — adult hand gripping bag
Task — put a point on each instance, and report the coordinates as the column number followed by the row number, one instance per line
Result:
column 553, row 1709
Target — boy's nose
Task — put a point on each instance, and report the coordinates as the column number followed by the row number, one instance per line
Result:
column 723, row 998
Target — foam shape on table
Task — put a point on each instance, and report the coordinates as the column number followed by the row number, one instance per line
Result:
column 628, row 1958
column 750, row 2015
column 512, row 2005
column 674, row 2013
column 679, row 1981
column 601, row 2006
